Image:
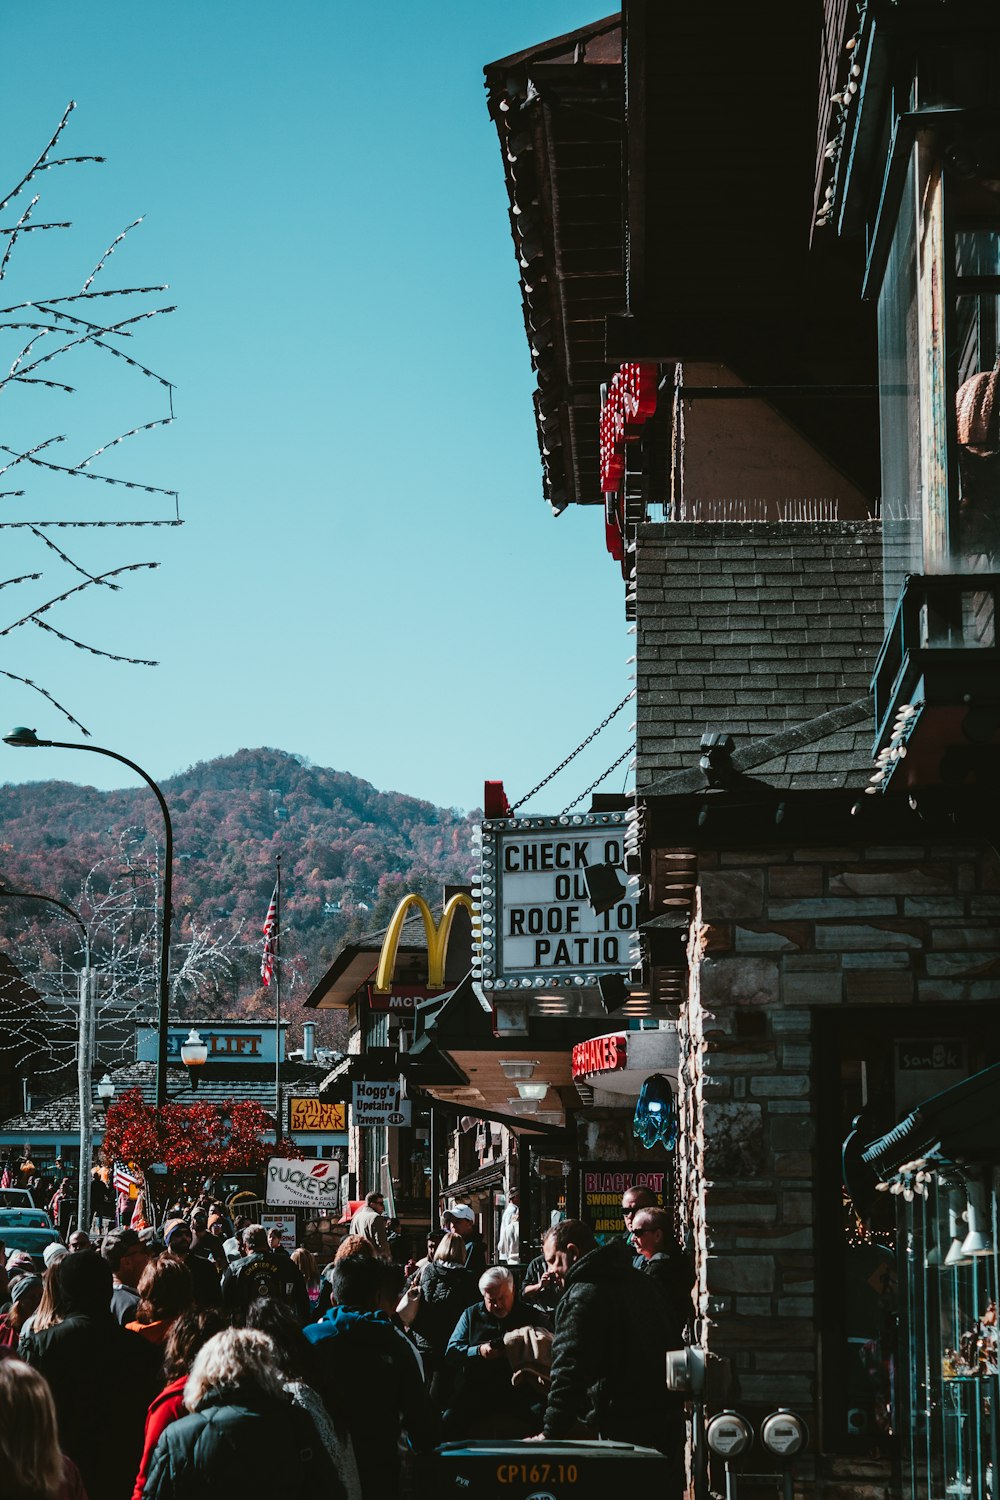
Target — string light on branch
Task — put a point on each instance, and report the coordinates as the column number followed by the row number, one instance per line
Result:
column 41, row 330
column 110, row 251
column 47, row 541
column 43, row 162
column 135, row 661
column 37, row 688
column 13, row 237
column 15, row 525
column 98, row 578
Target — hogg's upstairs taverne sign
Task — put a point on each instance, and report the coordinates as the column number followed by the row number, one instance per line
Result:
column 539, row 929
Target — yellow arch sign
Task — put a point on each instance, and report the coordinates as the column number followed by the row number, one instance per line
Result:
column 437, row 939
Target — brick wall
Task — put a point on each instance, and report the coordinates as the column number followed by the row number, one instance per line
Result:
column 781, row 936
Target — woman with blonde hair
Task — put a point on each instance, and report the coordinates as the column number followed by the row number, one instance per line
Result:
column 244, row 1434
column 446, row 1290
column 32, row 1466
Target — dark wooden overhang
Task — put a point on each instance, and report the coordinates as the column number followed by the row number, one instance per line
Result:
column 558, row 110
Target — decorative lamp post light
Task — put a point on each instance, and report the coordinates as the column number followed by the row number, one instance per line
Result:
column 26, row 739
column 194, row 1055
column 106, row 1091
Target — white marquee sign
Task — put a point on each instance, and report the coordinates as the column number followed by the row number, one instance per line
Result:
column 539, row 930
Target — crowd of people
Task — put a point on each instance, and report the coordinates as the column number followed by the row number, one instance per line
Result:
column 161, row 1365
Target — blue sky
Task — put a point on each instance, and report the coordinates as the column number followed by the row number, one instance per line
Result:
column 368, row 575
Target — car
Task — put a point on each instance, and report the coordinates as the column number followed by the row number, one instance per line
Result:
column 32, row 1240
column 24, row 1218
column 16, row 1198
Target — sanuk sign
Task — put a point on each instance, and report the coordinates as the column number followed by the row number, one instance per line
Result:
column 303, row 1184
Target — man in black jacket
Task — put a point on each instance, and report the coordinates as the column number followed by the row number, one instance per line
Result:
column 102, row 1378
column 612, row 1334
column 262, row 1273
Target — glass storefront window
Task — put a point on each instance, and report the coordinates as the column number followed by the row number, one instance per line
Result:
column 949, row 1336
column 939, row 377
column 977, row 402
column 899, row 407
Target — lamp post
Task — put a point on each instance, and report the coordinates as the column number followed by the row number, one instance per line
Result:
column 23, row 738
column 84, row 1049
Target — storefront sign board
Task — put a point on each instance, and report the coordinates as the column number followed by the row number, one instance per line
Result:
column 602, row 1185
column 302, row 1184
column 375, row 1103
column 305, row 1114
column 539, row 930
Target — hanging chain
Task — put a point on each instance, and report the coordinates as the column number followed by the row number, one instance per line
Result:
column 595, row 784
column 582, row 746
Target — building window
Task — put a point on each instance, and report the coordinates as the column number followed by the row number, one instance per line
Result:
column 939, row 377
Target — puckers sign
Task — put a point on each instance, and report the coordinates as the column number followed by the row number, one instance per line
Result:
column 302, row 1184
column 538, row 929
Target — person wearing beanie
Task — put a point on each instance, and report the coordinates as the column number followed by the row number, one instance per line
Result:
column 25, row 1295
column 177, row 1237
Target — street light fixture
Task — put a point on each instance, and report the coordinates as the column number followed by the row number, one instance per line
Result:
column 27, row 739
column 106, row 1091
column 84, row 1050
column 194, row 1055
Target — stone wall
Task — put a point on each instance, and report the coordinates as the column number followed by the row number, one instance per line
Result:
column 779, row 937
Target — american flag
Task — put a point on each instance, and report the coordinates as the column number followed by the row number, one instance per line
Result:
column 123, row 1179
column 270, row 930
column 6, row 1180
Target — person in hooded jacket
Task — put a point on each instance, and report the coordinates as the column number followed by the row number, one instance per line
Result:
column 609, row 1350
column 243, row 1435
column 369, row 1376
column 446, row 1290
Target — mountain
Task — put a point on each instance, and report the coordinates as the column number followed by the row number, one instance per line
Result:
column 348, row 852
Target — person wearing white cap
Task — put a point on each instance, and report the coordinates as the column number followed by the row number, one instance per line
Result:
column 460, row 1219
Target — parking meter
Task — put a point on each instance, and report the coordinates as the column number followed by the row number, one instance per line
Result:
column 729, row 1435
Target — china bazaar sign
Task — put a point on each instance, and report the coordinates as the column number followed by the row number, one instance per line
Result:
column 600, row 1054
column 630, row 401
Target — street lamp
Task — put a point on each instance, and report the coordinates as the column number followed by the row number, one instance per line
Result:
column 194, row 1055
column 27, row 739
column 84, row 1049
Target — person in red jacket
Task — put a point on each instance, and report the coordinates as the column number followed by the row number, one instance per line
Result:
column 189, row 1332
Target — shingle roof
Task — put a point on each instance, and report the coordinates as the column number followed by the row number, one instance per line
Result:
column 62, row 1114
column 763, row 630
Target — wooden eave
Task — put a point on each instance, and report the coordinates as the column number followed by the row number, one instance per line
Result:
column 558, row 111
